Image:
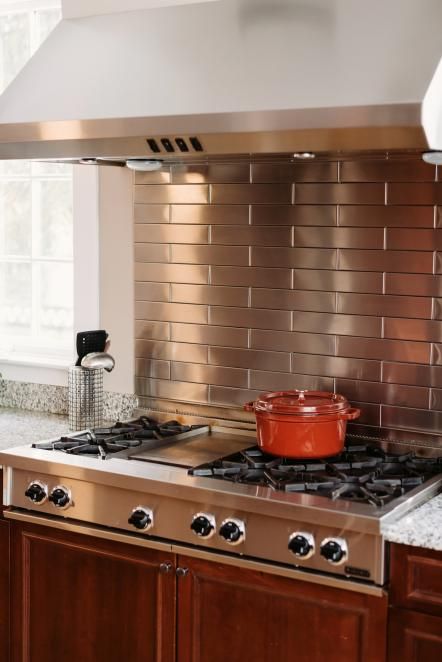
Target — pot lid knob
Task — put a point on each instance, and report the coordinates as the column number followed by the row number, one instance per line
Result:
column 301, row 396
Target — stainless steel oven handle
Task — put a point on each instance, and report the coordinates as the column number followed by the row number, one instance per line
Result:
column 195, row 552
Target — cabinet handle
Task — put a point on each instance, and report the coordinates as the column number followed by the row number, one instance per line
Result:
column 166, row 568
column 182, row 572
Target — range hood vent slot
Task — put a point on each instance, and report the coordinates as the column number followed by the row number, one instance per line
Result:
column 169, row 145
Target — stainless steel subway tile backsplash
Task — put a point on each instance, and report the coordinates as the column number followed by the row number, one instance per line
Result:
column 253, row 275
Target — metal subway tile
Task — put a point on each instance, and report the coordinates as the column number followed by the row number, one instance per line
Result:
column 151, row 213
column 413, row 239
column 370, row 413
column 251, row 277
column 384, row 304
column 172, row 390
column 436, row 354
column 397, row 170
column 210, row 335
column 278, row 381
column 224, row 255
column 251, row 235
column 412, row 374
column 302, row 258
column 339, row 237
column 383, row 349
column 292, row 341
column 250, row 318
column 152, row 368
column 439, row 212
column 205, row 374
column 171, row 312
column 210, row 294
column 408, row 329
column 148, row 330
column 324, row 302
column 220, row 395
column 338, row 281
column 210, row 214
column 249, row 358
column 211, row 173
column 155, row 177
column 294, row 215
column 385, row 216
column 172, row 273
column 251, row 193
column 436, row 399
column 394, row 394
column 170, row 351
column 336, row 366
column 396, row 261
column 414, row 285
column 171, row 234
column 172, row 194
column 152, row 253
column 340, row 194
column 321, row 171
column 152, row 291
column 414, row 194
column 437, row 309
column 411, row 419
column 345, row 325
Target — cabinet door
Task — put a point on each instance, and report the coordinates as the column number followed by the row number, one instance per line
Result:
column 4, row 590
column 81, row 599
column 414, row 637
column 228, row 613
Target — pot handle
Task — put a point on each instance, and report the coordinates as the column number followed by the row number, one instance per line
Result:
column 249, row 406
column 351, row 414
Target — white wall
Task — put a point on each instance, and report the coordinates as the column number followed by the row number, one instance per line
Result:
column 77, row 8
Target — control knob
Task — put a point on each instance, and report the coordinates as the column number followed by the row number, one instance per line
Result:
column 203, row 525
column 60, row 497
column 233, row 531
column 334, row 550
column 302, row 544
column 141, row 518
column 37, row 492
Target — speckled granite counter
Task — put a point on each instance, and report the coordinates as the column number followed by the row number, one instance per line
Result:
column 422, row 527
column 19, row 427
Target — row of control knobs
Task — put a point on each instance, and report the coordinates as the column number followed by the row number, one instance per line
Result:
column 232, row 530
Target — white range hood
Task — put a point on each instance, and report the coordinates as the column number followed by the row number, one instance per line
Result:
column 240, row 76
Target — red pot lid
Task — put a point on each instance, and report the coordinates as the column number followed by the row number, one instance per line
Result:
column 301, row 402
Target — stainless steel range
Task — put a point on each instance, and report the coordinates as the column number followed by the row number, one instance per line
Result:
column 211, row 491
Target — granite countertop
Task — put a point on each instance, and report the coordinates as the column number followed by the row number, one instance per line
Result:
column 422, row 527
column 19, row 426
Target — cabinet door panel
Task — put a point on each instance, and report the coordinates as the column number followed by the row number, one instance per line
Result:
column 81, row 599
column 4, row 590
column 227, row 613
column 416, row 579
column 414, row 637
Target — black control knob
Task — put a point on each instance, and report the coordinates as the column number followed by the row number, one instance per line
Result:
column 60, row 497
column 203, row 525
column 301, row 544
column 141, row 518
column 37, row 492
column 233, row 531
column 334, row 550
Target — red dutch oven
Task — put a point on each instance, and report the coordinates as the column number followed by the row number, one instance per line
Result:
column 302, row 424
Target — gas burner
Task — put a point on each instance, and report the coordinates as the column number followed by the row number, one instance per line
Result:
column 365, row 474
column 106, row 441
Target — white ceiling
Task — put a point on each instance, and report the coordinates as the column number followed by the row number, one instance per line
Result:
column 77, row 8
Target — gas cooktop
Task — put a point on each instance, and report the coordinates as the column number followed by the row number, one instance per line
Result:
column 362, row 473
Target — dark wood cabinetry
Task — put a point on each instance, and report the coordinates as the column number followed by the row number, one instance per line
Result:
column 4, row 590
column 228, row 613
column 85, row 599
column 415, row 615
column 81, row 599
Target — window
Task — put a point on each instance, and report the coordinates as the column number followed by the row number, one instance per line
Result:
column 36, row 218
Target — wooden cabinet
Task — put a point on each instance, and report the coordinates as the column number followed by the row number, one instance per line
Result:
column 4, row 590
column 228, row 613
column 415, row 615
column 82, row 599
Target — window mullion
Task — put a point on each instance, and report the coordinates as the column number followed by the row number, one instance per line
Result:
column 35, row 254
